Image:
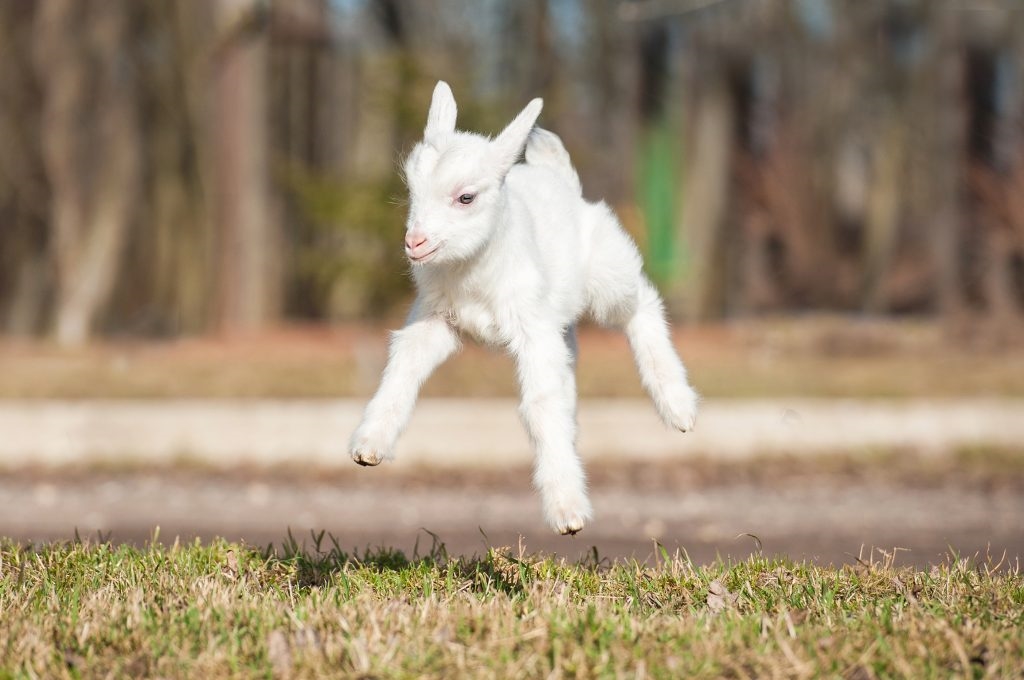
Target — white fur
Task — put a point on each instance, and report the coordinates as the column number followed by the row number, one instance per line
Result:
column 516, row 268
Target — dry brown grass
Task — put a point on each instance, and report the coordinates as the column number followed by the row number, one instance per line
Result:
column 225, row 610
column 823, row 357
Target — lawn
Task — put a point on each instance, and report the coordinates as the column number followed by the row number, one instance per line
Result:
column 91, row 609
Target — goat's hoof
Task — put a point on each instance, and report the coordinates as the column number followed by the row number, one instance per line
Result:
column 369, row 446
column 571, row 528
column 681, row 408
column 568, row 519
column 366, row 457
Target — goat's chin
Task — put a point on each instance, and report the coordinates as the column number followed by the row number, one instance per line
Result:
column 448, row 254
column 426, row 258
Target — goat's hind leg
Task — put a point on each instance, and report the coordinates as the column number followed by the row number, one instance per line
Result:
column 621, row 296
column 661, row 370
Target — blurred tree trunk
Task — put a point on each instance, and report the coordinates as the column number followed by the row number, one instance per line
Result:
column 93, row 169
column 25, row 281
column 881, row 227
column 994, row 109
column 706, row 204
column 250, row 267
column 944, row 138
column 541, row 67
column 611, row 73
column 181, row 245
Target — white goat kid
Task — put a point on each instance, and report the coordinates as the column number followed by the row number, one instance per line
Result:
column 512, row 255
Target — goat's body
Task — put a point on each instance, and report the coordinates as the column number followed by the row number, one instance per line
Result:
column 549, row 258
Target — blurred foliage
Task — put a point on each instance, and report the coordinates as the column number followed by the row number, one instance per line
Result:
column 347, row 258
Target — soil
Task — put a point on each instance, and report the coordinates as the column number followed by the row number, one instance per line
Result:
column 822, row 511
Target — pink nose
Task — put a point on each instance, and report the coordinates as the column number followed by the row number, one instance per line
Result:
column 414, row 240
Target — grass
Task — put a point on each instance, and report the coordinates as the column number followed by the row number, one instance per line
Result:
column 92, row 609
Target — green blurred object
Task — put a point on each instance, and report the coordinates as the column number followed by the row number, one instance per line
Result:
column 659, row 179
column 344, row 262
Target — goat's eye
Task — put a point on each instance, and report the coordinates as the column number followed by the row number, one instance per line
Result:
column 466, row 199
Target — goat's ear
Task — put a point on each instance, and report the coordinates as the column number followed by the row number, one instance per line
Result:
column 441, row 118
column 508, row 145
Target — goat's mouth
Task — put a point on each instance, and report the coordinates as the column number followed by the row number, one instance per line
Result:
column 425, row 257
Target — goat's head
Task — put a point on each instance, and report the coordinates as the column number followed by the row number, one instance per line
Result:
column 455, row 180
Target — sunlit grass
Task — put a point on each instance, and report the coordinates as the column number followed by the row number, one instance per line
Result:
column 91, row 609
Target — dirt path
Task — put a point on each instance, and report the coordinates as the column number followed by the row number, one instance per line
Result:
column 825, row 514
column 804, row 476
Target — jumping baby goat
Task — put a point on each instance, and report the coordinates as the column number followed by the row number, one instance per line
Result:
column 512, row 255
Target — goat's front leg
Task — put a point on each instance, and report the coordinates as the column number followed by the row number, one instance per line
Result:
column 548, row 409
column 416, row 350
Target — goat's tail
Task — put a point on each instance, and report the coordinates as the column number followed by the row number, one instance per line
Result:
column 545, row 148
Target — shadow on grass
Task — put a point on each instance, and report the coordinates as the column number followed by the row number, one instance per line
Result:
column 320, row 561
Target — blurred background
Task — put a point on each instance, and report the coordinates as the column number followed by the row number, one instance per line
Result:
column 200, row 199
column 184, row 167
